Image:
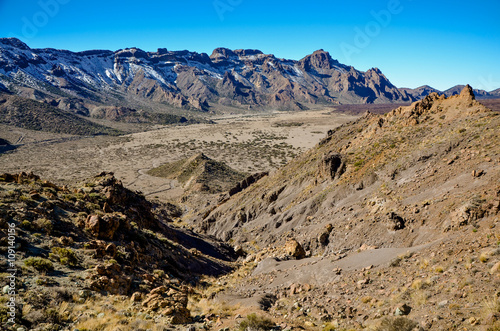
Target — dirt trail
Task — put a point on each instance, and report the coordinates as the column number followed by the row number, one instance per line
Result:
column 319, row 270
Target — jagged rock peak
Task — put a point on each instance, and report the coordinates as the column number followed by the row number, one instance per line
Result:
column 319, row 59
column 375, row 70
column 467, row 93
column 131, row 52
column 14, row 42
column 455, row 106
column 222, row 52
column 247, row 52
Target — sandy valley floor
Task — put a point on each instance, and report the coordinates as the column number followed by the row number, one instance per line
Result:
column 247, row 143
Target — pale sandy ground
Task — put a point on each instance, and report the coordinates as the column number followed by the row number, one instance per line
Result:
column 315, row 271
column 249, row 143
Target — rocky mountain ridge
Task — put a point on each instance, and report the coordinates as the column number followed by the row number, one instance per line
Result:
column 423, row 91
column 356, row 164
column 239, row 79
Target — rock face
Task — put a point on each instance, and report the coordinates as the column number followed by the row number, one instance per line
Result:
column 103, row 227
column 332, row 166
column 395, row 222
column 189, row 80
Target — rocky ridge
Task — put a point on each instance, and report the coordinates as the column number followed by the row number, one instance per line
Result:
column 355, row 161
column 99, row 241
column 239, row 79
column 387, row 198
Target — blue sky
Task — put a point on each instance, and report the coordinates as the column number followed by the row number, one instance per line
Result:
column 439, row 43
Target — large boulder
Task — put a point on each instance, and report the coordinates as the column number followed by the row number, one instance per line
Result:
column 170, row 302
column 103, row 227
column 294, row 248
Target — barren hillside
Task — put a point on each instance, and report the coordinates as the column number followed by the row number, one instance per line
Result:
column 391, row 209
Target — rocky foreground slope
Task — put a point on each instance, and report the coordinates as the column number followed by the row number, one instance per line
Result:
column 390, row 214
column 83, row 252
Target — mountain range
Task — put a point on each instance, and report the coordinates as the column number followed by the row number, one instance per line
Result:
column 423, row 91
column 171, row 80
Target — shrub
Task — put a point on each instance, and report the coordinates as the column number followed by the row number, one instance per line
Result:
column 52, row 316
column 27, row 199
column 366, row 299
column 254, row 322
column 397, row 324
column 359, row 163
column 484, row 258
column 329, row 327
column 66, row 256
column 40, row 264
column 26, row 225
column 44, row 225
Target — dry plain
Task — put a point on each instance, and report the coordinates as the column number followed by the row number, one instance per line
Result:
column 247, row 143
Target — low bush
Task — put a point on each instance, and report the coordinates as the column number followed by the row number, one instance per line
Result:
column 254, row 322
column 40, row 264
column 66, row 256
column 397, row 324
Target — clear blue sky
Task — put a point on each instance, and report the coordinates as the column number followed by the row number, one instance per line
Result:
column 440, row 43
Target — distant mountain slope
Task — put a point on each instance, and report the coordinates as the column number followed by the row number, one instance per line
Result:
column 188, row 80
column 34, row 115
column 420, row 92
column 480, row 94
column 423, row 91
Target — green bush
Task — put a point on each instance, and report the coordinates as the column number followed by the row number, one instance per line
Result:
column 43, row 224
column 254, row 322
column 359, row 163
column 26, row 225
column 66, row 256
column 40, row 264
